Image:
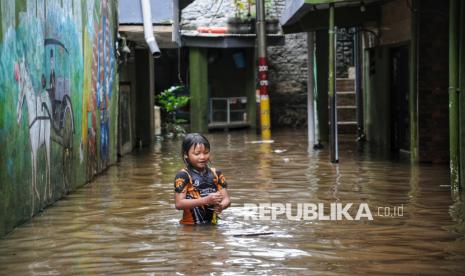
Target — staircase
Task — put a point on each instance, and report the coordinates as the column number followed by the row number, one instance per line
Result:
column 346, row 106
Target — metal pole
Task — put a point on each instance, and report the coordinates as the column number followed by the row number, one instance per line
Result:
column 310, row 87
column 358, row 84
column 413, row 93
column 453, row 98
column 265, row 122
column 461, row 98
column 332, row 85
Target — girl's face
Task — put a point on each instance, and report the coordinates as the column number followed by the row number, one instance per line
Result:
column 198, row 156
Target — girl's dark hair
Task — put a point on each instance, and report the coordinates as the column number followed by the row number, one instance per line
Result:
column 193, row 139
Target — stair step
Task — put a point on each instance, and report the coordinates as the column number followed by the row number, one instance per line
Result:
column 345, row 93
column 347, row 114
column 347, row 123
column 346, row 107
column 345, row 84
column 346, row 127
column 345, row 98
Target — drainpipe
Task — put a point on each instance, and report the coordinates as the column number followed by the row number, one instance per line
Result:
column 310, row 89
column 453, row 98
column 148, row 28
column 332, row 86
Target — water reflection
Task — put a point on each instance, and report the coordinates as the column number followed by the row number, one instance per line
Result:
column 125, row 221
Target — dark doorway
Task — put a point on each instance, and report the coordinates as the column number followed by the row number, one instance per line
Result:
column 400, row 120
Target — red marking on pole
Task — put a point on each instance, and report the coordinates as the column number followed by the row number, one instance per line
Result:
column 263, row 75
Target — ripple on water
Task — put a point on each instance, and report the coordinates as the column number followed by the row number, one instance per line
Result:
column 125, row 222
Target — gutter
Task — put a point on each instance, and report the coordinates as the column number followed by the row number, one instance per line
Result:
column 148, row 28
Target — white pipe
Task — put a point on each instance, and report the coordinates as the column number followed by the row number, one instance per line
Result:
column 148, row 28
column 310, row 85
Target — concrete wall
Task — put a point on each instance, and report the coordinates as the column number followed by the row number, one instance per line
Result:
column 395, row 29
column 225, row 77
column 58, row 100
column 395, row 23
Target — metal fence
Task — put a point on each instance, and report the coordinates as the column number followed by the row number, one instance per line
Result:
column 228, row 110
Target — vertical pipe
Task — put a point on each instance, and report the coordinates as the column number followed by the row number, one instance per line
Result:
column 461, row 104
column 310, row 85
column 316, row 112
column 413, row 93
column 265, row 122
column 453, row 98
column 358, row 84
column 332, row 85
column 228, row 111
column 148, row 28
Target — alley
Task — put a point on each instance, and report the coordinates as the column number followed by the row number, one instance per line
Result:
column 125, row 222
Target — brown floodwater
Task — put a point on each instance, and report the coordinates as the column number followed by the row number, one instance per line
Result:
column 125, row 221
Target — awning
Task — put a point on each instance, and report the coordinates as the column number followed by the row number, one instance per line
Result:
column 310, row 15
column 207, row 40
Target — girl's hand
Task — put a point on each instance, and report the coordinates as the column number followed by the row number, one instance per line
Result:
column 219, row 208
column 225, row 202
column 214, row 198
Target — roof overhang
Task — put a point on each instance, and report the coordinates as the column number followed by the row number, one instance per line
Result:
column 208, row 40
column 311, row 15
column 165, row 20
column 162, row 33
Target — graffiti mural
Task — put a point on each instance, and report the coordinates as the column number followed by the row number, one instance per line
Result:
column 102, row 82
column 38, row 123
column 57, row 100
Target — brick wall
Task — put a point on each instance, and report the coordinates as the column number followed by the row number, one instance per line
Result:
column 433, row 82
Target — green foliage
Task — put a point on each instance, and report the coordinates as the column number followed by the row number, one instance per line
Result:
column 246, row 8
column 169, row 101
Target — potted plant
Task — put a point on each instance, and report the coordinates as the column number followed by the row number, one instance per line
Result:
column 243, row 22
column 170, row 103
column 271, row 22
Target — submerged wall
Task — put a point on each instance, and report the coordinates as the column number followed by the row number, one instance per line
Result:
column 58, row 100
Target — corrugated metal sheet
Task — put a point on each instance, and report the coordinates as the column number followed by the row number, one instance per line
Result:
column 130, row 12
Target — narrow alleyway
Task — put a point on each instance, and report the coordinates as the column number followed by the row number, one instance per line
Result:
column 125, row 221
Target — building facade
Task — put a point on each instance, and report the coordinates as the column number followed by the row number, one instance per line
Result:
column 58, row 101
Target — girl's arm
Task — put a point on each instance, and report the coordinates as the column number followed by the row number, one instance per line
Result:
column 182, row 203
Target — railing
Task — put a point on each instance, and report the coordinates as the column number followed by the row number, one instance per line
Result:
column 228, row 110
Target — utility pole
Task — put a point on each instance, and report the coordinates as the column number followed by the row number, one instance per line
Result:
column 265, row 122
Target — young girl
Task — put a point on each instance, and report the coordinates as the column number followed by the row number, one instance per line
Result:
column 199, row 189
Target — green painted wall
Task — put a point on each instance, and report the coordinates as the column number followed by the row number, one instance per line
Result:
column 198, row 83
column 376, row 96
column 60, row 55
column 322, row 83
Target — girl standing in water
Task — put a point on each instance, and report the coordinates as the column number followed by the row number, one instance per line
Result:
column 199, row 189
